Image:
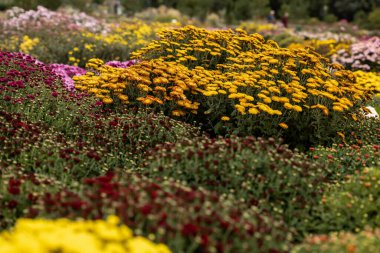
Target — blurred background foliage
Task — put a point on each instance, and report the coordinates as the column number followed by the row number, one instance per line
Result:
column 363, row 12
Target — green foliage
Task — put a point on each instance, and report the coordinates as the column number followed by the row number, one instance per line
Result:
column 132, row 6
column 330, row 18
column 360, row 18
column 297, row 9
column 32, row 4
column 195, row 8
column 4, row 6
column 374, row 19
column 346, row 9
column 351, row 205
column 82, row 5
column 245, row 9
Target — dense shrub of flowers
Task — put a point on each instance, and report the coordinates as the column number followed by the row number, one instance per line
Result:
column 362, row 55
column 369, row 79
column 353, row 150
column 162, row 14
column 125, row 136
column 362, row 132
column 187, row 219
column 324, row 47
column 236, row 83
column 66, row 236
column 119, row 64
column 346, row 160
column 19, row 20
column 66, row 73
column 285, row 39
column 46, row 127
column 364, row 242
column 343, row 37
column 36, row 148
column 30, row 87
column 263, row 173
column 88, row 143
column 261, row 28
column 92, row 146
column 55, row 37
column 351, row 205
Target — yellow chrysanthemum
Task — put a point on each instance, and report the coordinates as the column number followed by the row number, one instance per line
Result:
column 283, row 125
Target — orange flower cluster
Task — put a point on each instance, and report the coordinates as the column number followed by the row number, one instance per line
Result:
column 229, row 74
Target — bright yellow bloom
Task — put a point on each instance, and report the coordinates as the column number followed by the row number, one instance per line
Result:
column 225, row 118
column 283, row 125
column 267, row 100
column 240, row 108
column 253, row 111
column 297, row 108
column 338, row 108
column 147, row 101
column 66, row 236
column 274, row 71
column 288, row 106
column 107, row 100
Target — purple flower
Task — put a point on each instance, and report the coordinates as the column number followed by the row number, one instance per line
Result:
column 364, row 55
column 66, row 73
column 20, row 20
column 123, row 64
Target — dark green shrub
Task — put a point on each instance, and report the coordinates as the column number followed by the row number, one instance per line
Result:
column 4, row 6
column 261, row 172
column 374, row 19
column 330, row 18
column 32, row 4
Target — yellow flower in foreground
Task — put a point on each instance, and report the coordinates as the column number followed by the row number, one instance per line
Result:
column 283, row 125
column 225, row 118
column 68, row 236
column 140, row 245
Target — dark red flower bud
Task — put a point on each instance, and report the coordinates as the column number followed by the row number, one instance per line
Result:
column 190, row 229
column 12, row 204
